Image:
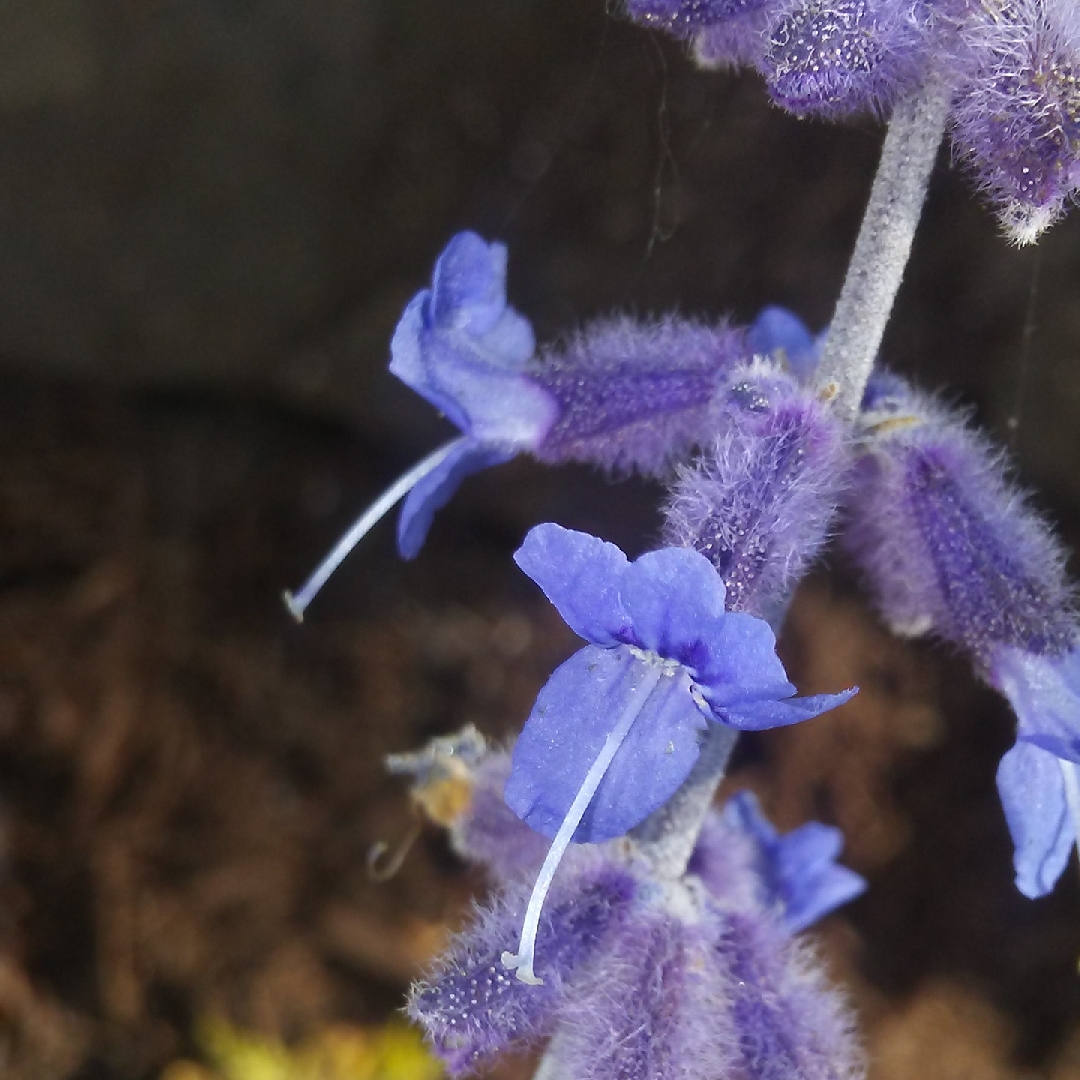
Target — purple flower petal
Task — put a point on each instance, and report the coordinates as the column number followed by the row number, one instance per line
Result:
column 582, row 576
column 1032, row 793
column 438, row 487
column 781, row 334
column 571, row 720
column 675, row 600
column 741, row 664
column 798, row 869
column 464, row 349
column 468, row 286
column 760, row 715
column 1044, row 692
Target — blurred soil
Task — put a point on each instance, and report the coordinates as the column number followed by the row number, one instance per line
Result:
column 191, row 784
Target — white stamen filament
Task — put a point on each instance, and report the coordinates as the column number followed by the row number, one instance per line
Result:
column 522, row 960
column 1072, row 794
column 297, row 602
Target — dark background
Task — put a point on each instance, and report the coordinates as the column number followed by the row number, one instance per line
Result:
column 211, row 216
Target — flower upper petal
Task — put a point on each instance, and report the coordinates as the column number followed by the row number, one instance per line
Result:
column 468, row 286
column 568, row 726
column 1032, row 793
column 741, row 664
column 463, row 348
column 675, row 600
column 1044, row 692
column 779, row 332
column 582, row 576
column 437, row 488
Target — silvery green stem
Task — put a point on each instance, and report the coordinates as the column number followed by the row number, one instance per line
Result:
column 884, row 241
column 666, row 838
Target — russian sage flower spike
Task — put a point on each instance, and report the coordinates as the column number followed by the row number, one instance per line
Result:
column 759, row 502
column 1013, row 68
column 617, row 727
column 950, row 547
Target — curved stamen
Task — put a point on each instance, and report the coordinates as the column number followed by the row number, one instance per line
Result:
column 522, row 960
column 297, row 602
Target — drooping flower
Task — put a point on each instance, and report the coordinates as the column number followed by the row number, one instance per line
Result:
column 617, row 727
column 622, row 395
column 759, row 502
column 950, row 547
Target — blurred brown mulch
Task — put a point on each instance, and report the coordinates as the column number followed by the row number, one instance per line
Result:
column 190, row 785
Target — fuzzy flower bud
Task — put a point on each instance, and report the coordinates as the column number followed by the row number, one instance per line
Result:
column 758, row 504
column 1018, row 124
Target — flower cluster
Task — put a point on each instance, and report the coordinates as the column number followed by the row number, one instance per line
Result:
column 642, row 976
column 1012, row 67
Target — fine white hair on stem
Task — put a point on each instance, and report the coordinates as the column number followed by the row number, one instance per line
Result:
column 884, row 242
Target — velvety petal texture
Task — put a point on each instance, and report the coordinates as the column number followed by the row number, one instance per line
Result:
column 566, row 731
column 798, row 869
column 1032, row 792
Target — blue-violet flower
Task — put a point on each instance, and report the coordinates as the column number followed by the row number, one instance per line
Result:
column 617, row 727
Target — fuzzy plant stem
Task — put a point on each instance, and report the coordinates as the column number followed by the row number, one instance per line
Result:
column 666, row 838
column 884, row 242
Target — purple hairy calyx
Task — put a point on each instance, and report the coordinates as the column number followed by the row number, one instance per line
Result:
column 644, row 976
column 950, row 547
